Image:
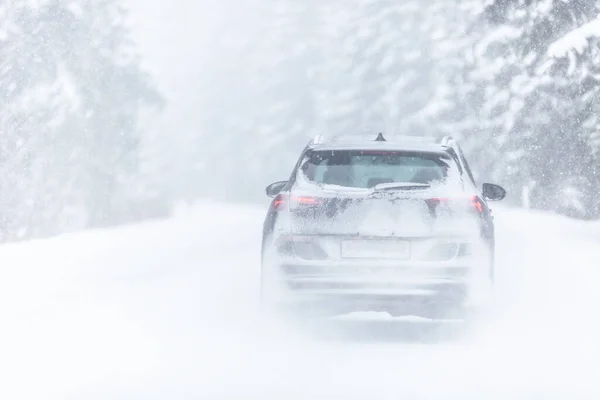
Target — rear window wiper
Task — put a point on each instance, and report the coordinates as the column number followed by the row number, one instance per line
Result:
column 401, row 185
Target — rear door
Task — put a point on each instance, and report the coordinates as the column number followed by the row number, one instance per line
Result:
column 368, row 192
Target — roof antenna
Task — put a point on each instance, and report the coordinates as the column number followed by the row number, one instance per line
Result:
column 380, row 138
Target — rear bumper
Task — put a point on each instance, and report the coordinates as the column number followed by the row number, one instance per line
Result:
column 314, row 273
column 399, row 288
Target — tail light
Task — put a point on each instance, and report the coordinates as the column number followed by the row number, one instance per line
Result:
column 305, row 201
column 470, row 204
column 477, row 203
column 279, row 202
column 283, row 200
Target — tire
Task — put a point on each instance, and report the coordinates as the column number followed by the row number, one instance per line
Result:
column 482, row 283
column 267, row 304
column 492, row 262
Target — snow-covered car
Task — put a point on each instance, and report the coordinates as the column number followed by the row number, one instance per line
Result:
column 379, row 224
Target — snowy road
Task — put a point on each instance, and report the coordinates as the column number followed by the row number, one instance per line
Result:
column 167, row 310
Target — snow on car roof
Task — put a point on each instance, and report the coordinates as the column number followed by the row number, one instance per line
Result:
column 386, row 142
column 392, row 146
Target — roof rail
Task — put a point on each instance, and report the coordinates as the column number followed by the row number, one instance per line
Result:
column 448, row 141
column 318, row 139
column 381, row 138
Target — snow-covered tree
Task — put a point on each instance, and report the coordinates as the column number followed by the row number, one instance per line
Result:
column 523, row 109
column 512, row 79
column 70, row 92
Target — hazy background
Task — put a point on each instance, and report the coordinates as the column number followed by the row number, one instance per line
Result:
column 116, row 110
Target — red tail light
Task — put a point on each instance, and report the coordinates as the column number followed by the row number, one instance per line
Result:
column 306, row 200
column 477, row 203
column 473, row 203
column 280, row 201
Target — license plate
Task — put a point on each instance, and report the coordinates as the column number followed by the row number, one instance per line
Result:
column 396, row 249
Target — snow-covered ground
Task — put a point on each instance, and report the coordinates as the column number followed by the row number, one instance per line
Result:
column 168, row 310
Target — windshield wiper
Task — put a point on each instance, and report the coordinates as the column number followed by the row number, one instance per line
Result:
column 401, row 185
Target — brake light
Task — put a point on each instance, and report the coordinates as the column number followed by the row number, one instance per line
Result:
column 281, row 200
column 477, row 203
column 306, row 200
column 473, row 201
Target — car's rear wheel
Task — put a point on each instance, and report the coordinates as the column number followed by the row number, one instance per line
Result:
column 268, row 299
column 482, row 286
column 492, row 262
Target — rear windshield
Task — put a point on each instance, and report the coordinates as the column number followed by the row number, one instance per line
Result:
column 365, row 169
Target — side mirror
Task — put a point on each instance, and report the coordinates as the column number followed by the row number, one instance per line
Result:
column 493, row 192
column 275, row 188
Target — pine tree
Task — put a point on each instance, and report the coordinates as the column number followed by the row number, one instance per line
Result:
column 71, row 89
column 521, row 107
column 573, row 63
